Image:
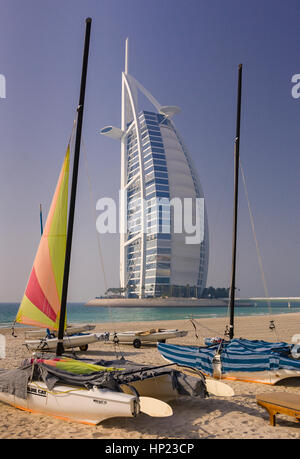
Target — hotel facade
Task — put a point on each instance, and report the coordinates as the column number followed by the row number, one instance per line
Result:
column 159, row 189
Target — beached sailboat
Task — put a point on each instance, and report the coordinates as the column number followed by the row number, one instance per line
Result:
column 71, row 329
column 49, row 342
column 90, row 392
column 73, row 389
column 237, row 359
column 152, row 335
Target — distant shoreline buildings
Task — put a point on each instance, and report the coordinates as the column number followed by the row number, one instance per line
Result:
column 156, row 170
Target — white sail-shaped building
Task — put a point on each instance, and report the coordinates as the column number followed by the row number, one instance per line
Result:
column 158, row 178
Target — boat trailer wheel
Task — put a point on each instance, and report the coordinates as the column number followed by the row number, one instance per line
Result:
column 84, row 347
column 137, row 343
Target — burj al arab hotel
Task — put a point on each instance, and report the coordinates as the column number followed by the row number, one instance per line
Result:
column 157, row 256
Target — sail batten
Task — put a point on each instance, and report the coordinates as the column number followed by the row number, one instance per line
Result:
column 41, row 303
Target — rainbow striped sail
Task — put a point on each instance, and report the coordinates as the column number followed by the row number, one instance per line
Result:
column 41, row 303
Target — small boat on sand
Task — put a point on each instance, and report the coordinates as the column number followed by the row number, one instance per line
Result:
column 81, row 340
column 138, row 337
column 89, row 392
column 71, row 329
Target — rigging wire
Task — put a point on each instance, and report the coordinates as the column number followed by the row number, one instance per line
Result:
column 272, row 322
column 92, row 200
column 195, row 323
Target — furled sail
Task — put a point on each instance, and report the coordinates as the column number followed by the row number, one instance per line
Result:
column 41, row 302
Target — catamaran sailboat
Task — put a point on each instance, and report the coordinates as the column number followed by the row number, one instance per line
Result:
column 237, row 359
column 139, row 337
column 73, row 389
column 71, row 329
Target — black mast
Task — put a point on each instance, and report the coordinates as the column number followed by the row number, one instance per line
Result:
column 41, row 219
column 235, row 210
column 60, row 347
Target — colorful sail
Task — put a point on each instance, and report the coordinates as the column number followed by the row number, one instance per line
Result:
column 41, row 303
column 75, row 366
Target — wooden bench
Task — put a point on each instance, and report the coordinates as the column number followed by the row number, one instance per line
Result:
column 280, row 403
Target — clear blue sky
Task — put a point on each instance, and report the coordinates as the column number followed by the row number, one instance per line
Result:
column 186, row 53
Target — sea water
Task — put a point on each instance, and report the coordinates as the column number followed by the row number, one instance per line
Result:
column 79, row 313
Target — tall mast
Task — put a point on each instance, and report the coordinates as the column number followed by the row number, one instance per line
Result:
column 235, row 210
column 60, row 347
column 41, row 219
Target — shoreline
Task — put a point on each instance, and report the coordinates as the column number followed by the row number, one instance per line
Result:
column 237, row 417
column 162, row 302
column 223, row 312
column 4, row 326
column 7, row 326
column 190, row 302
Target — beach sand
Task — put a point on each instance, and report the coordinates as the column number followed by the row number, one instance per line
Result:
column 237, row 417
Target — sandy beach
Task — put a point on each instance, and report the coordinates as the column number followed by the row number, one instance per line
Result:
column 237, row 417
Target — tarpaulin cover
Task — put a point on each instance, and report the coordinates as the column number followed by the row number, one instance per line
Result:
column 235, row 355
column 107, row 374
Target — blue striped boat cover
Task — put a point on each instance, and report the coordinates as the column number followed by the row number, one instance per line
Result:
column 255, row 355
column 190, row 356
column 236, row 355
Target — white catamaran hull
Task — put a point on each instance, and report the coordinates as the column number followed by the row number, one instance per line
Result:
column 70, row 330
column 262, row 377
column 271, row 377
column 48, row 344
column 75, row 404
column 138, row 337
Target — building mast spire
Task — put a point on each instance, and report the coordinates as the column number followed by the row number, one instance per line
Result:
column 126, row 56
column 123, row 175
